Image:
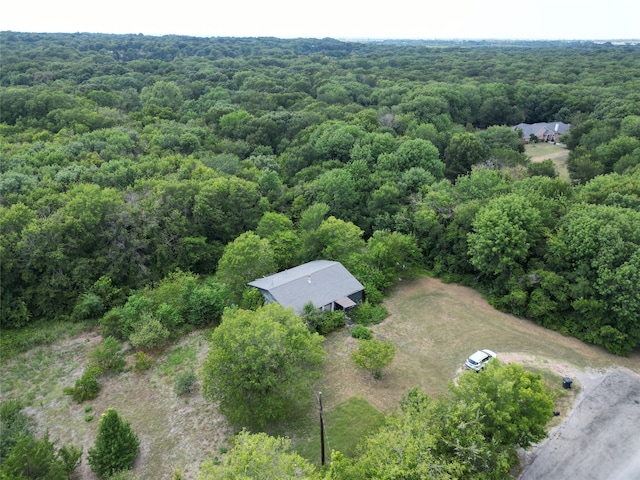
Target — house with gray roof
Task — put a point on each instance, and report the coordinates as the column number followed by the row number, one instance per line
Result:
column 327, row 284
column 544, row 131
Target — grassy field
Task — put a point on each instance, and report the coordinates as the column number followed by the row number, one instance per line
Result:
column 434, row 326
column 558, row 153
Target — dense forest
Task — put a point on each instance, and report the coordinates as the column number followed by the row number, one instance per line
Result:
column 128, row 160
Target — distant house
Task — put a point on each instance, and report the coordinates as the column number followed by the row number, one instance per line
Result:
column 328, row 285
column 545, row 132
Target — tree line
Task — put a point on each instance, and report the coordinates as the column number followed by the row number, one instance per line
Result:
column 127, row 158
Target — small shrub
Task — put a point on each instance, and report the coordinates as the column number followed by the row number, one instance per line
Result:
column 70, row 456
column 149, row 334
column 185, row 383
column 142, row 362
column 361, row 332
column 88, row 408
column 223, row 450
column 367, row 314
column 107, row 356
column 86, row 387
column 88, row 418
column 330, row 322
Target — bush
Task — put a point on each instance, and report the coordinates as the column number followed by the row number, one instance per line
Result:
column 149, row 334
column 373, row 355
column 111, row 324
column 116, row 447
column 367, row 314
column 31, row 458
column 330, row 322
column 142, row 362
column 361, row 332
column 185, row 383
column 13, row 425
column 70, row 456
column 107, row 356
column 86, row 387
column 252, row 299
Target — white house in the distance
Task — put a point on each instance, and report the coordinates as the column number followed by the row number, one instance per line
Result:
column 327, row 284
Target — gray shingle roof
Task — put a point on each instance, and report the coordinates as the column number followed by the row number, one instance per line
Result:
column 536, row 128
column 321, row 282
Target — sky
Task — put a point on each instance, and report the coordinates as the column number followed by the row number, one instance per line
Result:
column 341, row 19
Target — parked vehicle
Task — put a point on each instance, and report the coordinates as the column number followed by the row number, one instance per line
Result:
column 478, row 361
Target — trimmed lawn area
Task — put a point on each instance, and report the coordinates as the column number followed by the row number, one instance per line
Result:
column 558, row 153
column 435, row 327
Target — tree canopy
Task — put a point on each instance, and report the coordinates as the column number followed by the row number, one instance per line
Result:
column 261, row 365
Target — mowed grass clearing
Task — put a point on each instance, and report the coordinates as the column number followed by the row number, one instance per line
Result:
column 557, row 153
column 434, row 326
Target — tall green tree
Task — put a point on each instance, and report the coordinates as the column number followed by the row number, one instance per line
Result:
column 464, row 151
column 246, row 258
column 512, row 404
column 373, row 355
column 116, row 447
column 258, row 456
column 505, row 235
column 261, row 365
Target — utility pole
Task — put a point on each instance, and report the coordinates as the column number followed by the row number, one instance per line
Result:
column 321, row 429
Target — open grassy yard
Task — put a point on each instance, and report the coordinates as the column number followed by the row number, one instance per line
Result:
column 434, row 326
column 558, row 153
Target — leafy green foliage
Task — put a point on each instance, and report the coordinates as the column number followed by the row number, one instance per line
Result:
column 142, row 362
column 107, row 356
column 330, row 322
column 261, row 365
column 258, row 455
column 361, row 332
column 373, row 355
column 514, row 405
column 246, row 258
column 14, row 424
column 149, row 333
column 116, row 446
column 116, row 177
column 185, row 383
column 475, row 435
column 87, row 386
column 367, row 314
column 32, row 459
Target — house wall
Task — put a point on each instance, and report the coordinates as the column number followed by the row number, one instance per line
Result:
column 357, row 297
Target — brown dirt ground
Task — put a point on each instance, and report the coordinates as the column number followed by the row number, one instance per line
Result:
column 176, row 433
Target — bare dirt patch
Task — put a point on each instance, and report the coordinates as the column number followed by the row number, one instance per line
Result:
column 175, row 432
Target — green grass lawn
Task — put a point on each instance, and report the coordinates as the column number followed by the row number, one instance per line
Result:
column 435, row 327
column 558, row 153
